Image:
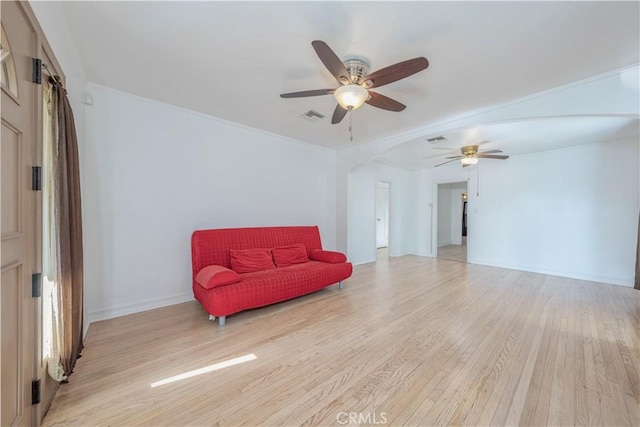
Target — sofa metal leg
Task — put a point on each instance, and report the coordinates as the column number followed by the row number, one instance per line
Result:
column 222, row 320
column 340, row 285
column 212, row 317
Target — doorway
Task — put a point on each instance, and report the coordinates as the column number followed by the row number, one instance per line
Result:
column 451, row 220
column 382, row 218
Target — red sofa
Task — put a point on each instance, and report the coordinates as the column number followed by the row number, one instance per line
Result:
column 223, row 286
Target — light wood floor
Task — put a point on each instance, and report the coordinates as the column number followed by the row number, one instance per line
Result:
column 453, row 252
column 410, row 341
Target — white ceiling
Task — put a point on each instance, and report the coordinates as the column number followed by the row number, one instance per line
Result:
column 233, row 59
column 513, row 138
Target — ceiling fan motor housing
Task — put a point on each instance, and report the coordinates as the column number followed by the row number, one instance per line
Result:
column 469, row 150
column 356, row 68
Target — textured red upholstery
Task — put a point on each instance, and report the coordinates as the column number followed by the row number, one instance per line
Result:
column 257, row 289
column 250, row 260
column 328, row 256
column 289, row 255
column 267, row 287
column 216, row 275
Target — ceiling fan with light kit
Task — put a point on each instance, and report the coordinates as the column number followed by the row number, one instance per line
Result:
column 355, row 81
column 470, row 156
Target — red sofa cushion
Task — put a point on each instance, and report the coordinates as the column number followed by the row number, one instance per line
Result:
column 328, row 256
column 250, row 260
column 209, row 247
column 216, row 275
column 289, row 255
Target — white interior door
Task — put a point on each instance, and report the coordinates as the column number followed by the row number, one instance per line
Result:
column 382, row 215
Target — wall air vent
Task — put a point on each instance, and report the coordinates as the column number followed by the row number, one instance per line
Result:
column 312, row 116
column 437, row 139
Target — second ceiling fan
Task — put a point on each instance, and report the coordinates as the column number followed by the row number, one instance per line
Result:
column 470, row 156
column 355, row 81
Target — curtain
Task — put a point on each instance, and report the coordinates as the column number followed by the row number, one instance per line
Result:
column 637, row 283
column 68, row 219
column 51, row 320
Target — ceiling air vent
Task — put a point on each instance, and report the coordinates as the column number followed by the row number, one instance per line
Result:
column 312, row 116
column 437, row 139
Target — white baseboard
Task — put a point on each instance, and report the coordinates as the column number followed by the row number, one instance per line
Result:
column 424, row 254
column 136, row 307
column 397, row 254
column 551, row 272
column 363, row 261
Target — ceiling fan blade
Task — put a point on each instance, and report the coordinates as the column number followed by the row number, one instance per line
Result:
column 331, row 61
column 434, row 155
column 454, row 157
column 465, row 166
column 492, row 156
column 384, row 102
column 396, row 72
column 338, row 114
column 307, row 93
column 490, row 152
column 444, row 163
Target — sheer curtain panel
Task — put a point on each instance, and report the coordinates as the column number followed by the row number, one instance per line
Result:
column 51, row 320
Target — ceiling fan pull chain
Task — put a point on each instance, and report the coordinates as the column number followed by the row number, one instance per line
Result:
column 478, row 181
column 350, row 126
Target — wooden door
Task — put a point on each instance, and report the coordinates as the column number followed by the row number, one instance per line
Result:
column 19, row 244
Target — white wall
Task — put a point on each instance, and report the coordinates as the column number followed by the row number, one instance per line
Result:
column 361, row 243
column 570, row 212
column 158, row 172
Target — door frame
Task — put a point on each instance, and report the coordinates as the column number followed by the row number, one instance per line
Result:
column 434, row 210
column 389, row 215
column 388, row 208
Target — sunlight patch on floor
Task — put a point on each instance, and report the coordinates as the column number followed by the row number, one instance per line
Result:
column 206, row 369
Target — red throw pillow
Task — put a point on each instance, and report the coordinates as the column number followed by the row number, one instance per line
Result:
column 250, row 260
column 289, row 255
column 213, row 276
column 328, row 256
